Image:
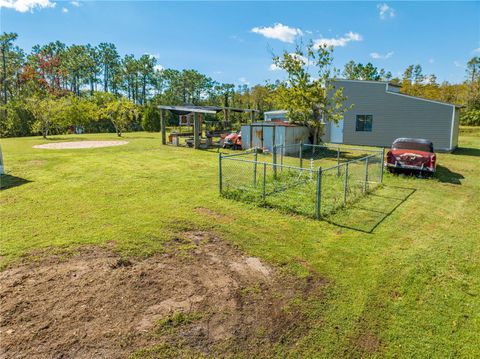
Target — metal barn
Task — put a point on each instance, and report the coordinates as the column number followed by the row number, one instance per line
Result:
column 267, row 134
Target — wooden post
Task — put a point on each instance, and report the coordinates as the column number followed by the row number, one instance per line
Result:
column 252, row 116
column 162, row 125
column 196, row 138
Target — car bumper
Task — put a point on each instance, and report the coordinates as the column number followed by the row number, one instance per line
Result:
column 409, row 167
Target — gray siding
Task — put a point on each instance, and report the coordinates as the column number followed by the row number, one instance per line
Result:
column 394, row 116
column 456, row 127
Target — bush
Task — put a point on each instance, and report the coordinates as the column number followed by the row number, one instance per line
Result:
column 151, row 119
column 470, row 117
column 18, row 121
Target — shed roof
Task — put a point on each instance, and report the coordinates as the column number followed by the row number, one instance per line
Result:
column 186, row 109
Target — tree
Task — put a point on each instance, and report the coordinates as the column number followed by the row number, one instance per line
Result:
column 79, row 111
column 418, row 76
column 309, row 100
column 109, row 60
column 121, row 113
column 151, row 119
column 48, row 113
column 146, row 67
column 6, row 40
column 350, row 71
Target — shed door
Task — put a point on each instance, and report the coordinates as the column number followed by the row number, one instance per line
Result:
column 257, row 136
column 336, row 132
column 268, row 137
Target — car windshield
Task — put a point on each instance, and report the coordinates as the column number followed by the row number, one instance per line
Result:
column 412, row 145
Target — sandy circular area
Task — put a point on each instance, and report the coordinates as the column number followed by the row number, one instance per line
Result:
column 80, row 144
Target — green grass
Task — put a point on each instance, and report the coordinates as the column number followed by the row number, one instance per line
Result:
column 412, row 284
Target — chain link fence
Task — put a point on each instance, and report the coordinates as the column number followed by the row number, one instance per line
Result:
column 311, row 180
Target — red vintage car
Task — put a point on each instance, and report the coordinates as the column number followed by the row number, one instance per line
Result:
column 413, row 155
column 233, row 140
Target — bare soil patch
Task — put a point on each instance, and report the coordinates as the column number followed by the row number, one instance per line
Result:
column 80, row 144
column 209, row 299
column 215, row 215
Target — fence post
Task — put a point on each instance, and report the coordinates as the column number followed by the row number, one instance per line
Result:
column 274, row 161
column 382, row 164
column 264, row 179
column 255, row 157
column 365, row 184
column 319, row 193
column 338, row 161
column 281, row 157
column 301, row 154
column 345, row 185
column 220, row 180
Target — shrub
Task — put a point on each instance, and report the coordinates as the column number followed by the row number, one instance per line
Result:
column 470, row 117
column 151, row 119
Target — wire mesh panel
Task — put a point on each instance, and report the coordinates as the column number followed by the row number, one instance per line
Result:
column 310, row 180
column 291, row 188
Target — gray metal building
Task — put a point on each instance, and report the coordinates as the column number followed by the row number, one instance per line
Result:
column 269, row 133
column 380, row 114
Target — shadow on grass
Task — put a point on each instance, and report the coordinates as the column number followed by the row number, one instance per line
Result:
column 8, row 181
column 466, row 151
column 444, row 175
column 368, row 213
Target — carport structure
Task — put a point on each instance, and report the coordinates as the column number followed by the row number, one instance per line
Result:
column 195, row 110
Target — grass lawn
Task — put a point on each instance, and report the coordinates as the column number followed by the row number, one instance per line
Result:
column 403, row 266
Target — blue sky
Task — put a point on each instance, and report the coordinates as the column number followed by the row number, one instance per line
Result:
column 233, row 41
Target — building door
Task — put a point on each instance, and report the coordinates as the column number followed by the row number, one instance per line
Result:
column 336, row 132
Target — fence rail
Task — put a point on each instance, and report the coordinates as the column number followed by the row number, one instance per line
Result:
column 311, row 180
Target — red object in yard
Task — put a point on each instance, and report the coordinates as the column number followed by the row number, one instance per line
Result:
column 233, row 140
column 412, row 154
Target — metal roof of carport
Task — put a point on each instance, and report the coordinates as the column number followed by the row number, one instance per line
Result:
column 186, row 109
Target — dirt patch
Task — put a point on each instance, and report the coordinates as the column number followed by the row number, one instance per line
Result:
column 212, row 214
column 209, row 298
column 367, row 343
column 80, row 144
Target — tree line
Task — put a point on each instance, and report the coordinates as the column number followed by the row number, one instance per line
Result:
column 56, row 87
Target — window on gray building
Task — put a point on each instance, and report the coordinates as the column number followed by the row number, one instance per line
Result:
column 364, row 123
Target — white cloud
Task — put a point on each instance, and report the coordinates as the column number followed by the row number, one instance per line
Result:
column 477, row 49
column 339, row 41
column 244, row 81
column 376, row 55
column 158, row 67
column 431, row 61
column 458, row 64
column 75, row 3
column 26, row 5
column 274, row 67
column 279, row 32
column 385, row 11
column 218, row 72
column 64, row 10
column 154, row 56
